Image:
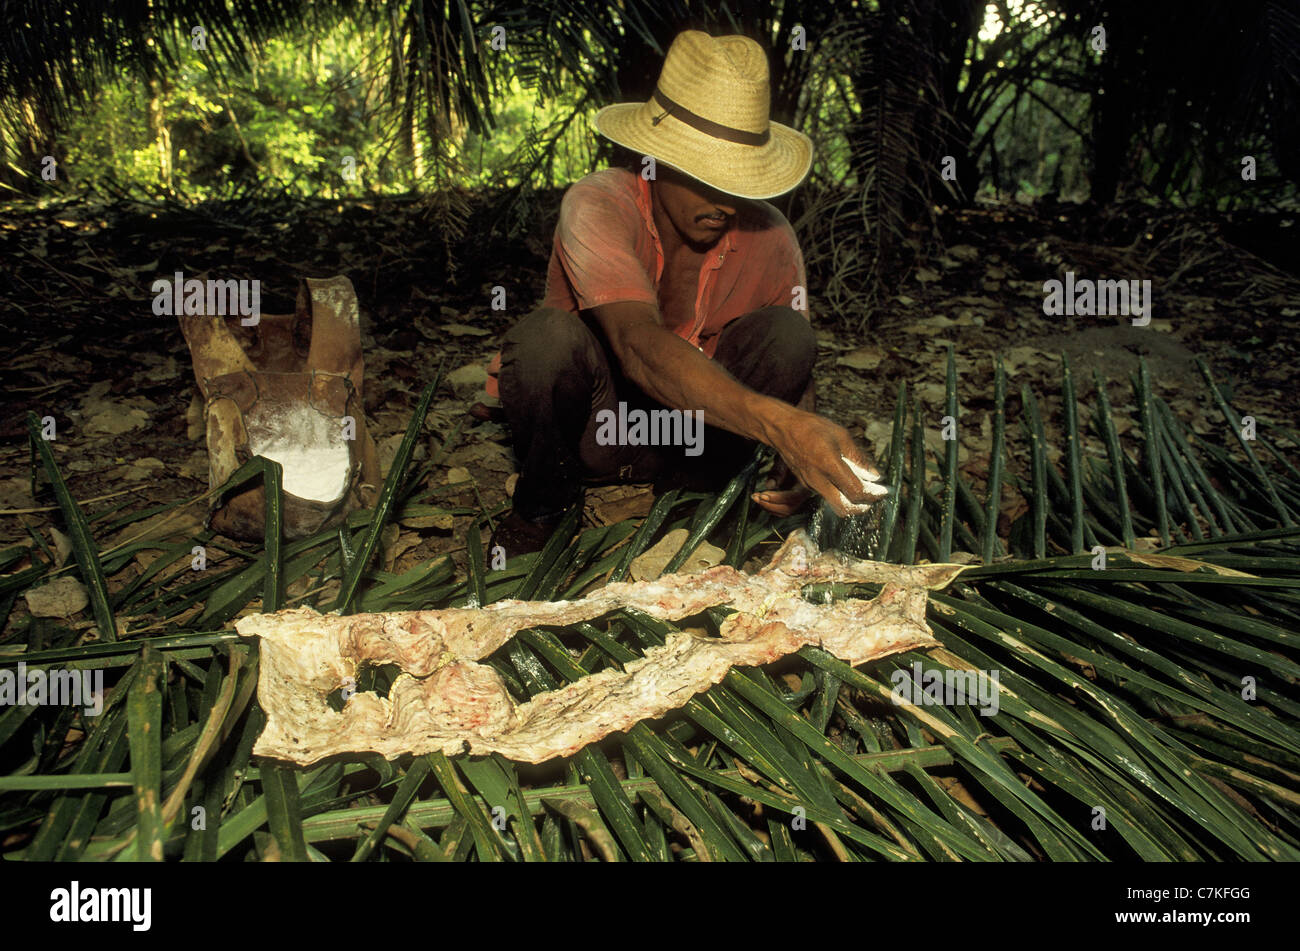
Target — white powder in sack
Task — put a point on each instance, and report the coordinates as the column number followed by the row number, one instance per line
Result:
column 309, row 447
column 874, row 489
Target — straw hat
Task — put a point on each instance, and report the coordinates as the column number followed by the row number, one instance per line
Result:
column 708, row 117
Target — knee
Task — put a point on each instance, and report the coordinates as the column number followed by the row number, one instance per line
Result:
column 792, row 335
column 772, row 350
column 785, row 335
column 547, row 342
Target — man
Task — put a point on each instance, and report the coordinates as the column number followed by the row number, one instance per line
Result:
column 675, row 289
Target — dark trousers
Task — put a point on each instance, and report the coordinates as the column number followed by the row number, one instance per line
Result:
column 558, row 374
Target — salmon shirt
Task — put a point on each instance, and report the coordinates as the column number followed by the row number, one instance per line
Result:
column 607, row 249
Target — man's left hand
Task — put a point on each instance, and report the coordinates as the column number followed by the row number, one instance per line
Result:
column 782, row 494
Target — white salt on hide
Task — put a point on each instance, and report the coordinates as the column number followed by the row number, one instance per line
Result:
column 309, row 447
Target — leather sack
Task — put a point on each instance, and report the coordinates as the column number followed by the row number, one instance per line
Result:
column 268, row 384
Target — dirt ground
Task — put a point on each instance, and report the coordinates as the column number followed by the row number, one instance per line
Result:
column 82, row 345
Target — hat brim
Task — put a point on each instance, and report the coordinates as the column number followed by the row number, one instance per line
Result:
column 746, row 171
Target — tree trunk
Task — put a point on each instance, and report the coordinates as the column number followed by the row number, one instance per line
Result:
column 161, row 134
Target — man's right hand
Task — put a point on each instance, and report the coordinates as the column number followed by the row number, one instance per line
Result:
column 815, row 449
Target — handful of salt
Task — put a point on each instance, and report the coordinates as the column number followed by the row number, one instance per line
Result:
column 876, row 490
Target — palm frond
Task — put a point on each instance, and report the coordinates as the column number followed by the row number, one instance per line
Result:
column 1147, row 703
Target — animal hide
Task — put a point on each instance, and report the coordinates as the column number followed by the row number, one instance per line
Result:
column 444, row 700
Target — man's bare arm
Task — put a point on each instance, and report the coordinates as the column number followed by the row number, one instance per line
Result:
column 782, row 494
column 676, row 374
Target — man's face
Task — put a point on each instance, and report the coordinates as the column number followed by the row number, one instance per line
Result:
column 699, row 213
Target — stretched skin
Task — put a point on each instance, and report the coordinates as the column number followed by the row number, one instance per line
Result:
column 446, row 701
